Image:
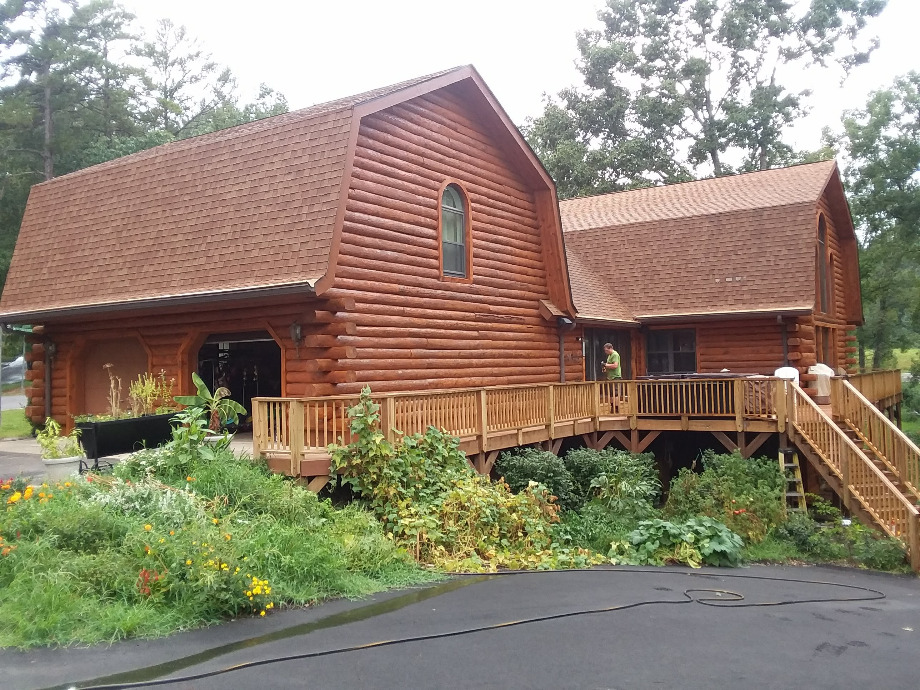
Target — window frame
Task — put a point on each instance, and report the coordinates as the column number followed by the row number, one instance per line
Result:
column 670, row 351
column 467, row 234
column 824, row 278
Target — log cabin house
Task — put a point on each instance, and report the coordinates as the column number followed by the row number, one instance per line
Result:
column 408, row 239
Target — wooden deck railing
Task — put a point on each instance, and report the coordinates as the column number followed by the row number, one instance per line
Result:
column 283, row 426
column 860, row 479
column 878, row 386
column 888, row 442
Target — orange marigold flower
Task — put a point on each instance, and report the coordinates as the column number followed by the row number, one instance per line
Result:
column 148, row 527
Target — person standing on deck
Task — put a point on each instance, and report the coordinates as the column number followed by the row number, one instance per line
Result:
column 612, row 365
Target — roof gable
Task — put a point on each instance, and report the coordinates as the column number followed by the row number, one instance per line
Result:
column 742, row 244
column 249, row 209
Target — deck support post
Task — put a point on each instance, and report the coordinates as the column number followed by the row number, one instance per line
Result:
column 913, row 533
column 551, row 411
column 388, row 420
column 738, row 385
column 295, row 427
column 483, row 421
column 632, row 400
column 779, row 402
column 633, row 440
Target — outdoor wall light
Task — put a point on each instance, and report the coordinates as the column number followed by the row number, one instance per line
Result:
column 51, row 349
column 296, row 333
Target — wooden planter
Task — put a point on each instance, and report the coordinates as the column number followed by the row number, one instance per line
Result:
column 115, row 436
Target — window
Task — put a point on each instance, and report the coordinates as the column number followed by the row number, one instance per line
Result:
column 455, row 246
column 824, row 299
column 671, row 352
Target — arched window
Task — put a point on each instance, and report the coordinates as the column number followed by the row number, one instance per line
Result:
column 455, row 240
column 824, row 298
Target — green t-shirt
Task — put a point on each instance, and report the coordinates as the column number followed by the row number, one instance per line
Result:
column 617, row 371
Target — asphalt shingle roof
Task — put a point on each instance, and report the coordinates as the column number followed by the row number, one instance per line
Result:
column 730, row 244
column 252, row 206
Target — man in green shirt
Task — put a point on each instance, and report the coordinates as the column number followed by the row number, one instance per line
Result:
column 612, row 365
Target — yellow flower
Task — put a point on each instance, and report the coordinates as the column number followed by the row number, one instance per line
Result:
column 257, row 590
column 249, row 594
column 188, row 562
column 28, row 493
column 67, row 484
column 227, row 537
column 15, row 497
column 270, row 605
column 161, row 540
column 261, row 613
column 148, row 527
column 41, row 494
column 215, row 520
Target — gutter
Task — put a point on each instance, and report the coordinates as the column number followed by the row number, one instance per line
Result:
column 307, row 288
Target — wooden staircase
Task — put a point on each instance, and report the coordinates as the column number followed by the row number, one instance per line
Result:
column 864, row 458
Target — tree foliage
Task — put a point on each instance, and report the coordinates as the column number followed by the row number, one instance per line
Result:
column 673, row 87
column 882, row 145
column 79, row 85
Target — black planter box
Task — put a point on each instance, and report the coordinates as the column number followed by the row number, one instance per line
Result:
column 115, row 436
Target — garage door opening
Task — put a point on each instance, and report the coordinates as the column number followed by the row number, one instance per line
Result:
column 249, row 364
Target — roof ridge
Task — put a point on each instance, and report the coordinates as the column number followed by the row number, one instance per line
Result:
column 702, row 180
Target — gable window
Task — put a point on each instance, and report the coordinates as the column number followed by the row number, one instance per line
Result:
column 455, row 235
column 824, row 293
column 671, row 352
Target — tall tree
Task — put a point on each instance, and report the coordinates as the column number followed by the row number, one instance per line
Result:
column 882, row 145
column 702, row 78
column 184, row 84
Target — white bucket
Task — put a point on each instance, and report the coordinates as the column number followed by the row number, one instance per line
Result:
column 61, row 468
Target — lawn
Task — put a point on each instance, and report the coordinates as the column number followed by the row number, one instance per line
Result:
column 13, row 424
column 904, row 359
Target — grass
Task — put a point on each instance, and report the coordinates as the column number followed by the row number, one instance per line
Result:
column 171, row 543
column 13, row 424
column 903, row 359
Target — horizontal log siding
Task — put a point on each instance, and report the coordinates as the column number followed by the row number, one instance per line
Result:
column 745, row 346
column 172, row 341
column 414, row 330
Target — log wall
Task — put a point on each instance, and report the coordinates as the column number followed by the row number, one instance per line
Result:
column 172, row 341
column 749, row 346
column 844, row 281
column 415, row 330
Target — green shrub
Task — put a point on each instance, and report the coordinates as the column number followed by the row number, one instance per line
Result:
column 596, row 526
column 434, row 505
column 626, row 475
column 172, row 543
column 695, row 542
column 521, row 466
column 833, row 542
column 746, row 495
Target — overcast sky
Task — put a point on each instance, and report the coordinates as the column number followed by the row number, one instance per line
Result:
column 316, row 51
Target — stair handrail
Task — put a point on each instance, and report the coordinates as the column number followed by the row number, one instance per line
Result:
column 906, row 464
column 892, row 511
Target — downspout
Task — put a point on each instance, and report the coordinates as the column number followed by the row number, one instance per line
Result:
column 565, row 325
column 50, row 350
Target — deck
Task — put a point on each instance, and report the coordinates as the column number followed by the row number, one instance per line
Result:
column 857, row 449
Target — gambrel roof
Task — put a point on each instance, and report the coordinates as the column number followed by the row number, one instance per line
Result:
column 246, row 211
column 728, row 245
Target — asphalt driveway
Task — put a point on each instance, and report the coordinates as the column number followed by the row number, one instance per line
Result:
column 658, row 634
